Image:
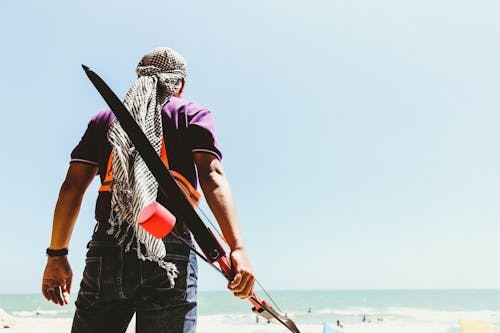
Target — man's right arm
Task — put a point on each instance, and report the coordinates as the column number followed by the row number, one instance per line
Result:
column 58, row 271
column 78, row 178
column 217, row 191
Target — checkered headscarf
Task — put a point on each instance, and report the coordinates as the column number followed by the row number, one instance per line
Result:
column 160, row 73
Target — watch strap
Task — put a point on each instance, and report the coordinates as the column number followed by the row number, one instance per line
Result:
column 57, row 253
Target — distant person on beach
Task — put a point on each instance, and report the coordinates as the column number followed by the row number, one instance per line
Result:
column 128, row 270
column 364, row 318
column 339, row 324
column 309, row 310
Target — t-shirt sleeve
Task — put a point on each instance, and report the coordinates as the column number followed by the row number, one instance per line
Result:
column 86, row 151
column 201, row 129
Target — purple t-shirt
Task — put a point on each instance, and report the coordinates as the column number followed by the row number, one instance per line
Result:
column 187, row 128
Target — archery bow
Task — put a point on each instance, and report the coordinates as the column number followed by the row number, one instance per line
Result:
column 180, row 206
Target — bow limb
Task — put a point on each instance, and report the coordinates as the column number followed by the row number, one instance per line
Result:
column 181, row 206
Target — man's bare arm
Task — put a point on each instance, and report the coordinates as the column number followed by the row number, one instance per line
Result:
column 57, row 277
column 78, row 178
column 219, row 197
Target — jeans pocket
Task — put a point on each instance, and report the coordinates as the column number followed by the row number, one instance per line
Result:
column 157, row 291
column 92, row 275
column 90, row 286
column 153, row 276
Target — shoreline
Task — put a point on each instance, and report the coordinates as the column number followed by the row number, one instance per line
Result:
column 224, row 324
column 218, row 312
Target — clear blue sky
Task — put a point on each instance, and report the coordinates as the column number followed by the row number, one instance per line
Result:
column 361, row 138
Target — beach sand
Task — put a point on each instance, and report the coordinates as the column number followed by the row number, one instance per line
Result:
column 222, row 324
column 206, row 325
column 42, row 325
column 37, row 325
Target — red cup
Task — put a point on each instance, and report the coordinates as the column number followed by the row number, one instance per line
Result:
column 156, row 219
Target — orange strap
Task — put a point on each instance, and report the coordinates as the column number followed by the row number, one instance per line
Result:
column 189, row 191
column 108, row 180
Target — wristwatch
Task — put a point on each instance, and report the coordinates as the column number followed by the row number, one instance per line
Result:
column 56, row 253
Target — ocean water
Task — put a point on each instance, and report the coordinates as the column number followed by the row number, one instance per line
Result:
column 407, row 310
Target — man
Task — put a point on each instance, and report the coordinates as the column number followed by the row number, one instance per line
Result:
column 128, row 270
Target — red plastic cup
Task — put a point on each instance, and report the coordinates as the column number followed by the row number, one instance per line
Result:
column 156, row 219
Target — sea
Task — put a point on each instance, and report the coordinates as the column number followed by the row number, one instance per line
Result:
column 403, row 311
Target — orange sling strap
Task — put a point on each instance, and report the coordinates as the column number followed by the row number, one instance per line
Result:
column 189, row 191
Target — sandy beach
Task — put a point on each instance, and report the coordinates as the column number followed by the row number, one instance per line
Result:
column 206, row 325
column 63, row 325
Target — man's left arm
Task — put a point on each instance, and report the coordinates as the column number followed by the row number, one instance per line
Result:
column 57, row 273
column 217, row 191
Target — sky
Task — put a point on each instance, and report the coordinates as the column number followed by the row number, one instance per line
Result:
column 360, row 138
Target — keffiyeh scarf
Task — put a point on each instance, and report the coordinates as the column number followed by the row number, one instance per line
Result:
column 160, row 74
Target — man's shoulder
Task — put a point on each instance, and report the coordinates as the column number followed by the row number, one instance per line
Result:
column 100, row 123
column 104, row 118
column 181, row 105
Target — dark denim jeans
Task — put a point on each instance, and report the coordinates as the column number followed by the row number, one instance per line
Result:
column 116, row 285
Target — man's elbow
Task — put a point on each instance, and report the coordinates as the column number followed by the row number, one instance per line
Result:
column 212, row 180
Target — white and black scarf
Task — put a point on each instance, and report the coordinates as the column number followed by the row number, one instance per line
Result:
column 160, row 74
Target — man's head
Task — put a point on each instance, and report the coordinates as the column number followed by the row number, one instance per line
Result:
column 168, row 66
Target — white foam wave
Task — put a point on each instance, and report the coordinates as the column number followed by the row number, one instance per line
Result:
column 440, row 315
column 419, row 314
column 39, row 313
column 402, row 327
column 357, row 311
column 225, row 318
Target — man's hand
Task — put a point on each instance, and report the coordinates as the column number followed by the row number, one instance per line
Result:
column 242, row 284
column 57, row 277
